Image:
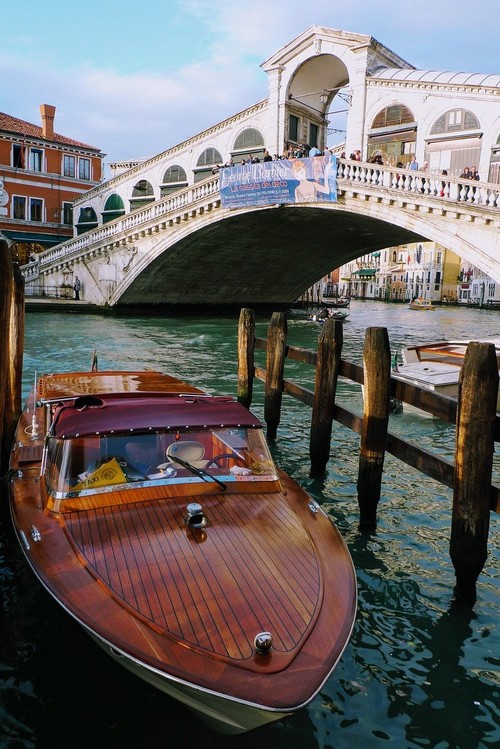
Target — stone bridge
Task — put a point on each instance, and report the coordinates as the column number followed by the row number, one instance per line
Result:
column 155, row 233
column 188, row 250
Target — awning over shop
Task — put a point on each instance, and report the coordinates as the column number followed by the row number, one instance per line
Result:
column 43, row 239
column 365, row 272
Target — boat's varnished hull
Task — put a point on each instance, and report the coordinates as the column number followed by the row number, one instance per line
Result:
column 181, row 607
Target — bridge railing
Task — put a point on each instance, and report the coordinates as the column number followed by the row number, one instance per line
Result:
column 125, row 224
column 350, row 173
column 424, row 183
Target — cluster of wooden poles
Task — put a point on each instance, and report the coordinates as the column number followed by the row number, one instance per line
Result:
column 477, row 424
column 474, row 414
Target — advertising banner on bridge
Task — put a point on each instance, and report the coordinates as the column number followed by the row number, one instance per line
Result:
column 281, row 181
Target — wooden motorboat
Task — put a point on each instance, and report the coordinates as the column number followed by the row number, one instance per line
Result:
column 154, row 514
column 337, row 302
column 436, row 365
column 327, row 313
column 421, row 304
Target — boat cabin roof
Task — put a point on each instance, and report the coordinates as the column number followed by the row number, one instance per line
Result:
column 90, row 403
column 132, row 414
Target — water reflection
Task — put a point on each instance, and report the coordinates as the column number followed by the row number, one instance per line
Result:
column 451, row 706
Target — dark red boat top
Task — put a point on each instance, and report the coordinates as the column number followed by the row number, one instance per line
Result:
column 102, row 402
column 126, row 414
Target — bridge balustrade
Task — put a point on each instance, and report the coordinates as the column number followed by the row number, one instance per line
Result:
column 470, row 192
column 383, row 179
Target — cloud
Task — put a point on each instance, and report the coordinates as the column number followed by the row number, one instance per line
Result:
column 196, row 63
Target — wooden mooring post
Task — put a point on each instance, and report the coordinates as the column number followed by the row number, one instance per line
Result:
column 477, row 428
column 275, row 364
column 377, row 378
column 474, row 447
column 246, row 348
column 327, row 370
column 11, row 350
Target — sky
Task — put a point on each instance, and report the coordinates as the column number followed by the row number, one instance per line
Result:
column 134, row 78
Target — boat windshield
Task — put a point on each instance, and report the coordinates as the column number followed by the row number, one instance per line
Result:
column 101, row 463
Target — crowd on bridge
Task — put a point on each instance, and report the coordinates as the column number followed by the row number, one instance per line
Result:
column 289, row 153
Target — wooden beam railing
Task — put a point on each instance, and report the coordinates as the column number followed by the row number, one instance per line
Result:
column 477, row 426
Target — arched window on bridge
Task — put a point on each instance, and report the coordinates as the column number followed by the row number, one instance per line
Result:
column 174, row 179
column 393, row 134
column 142, row 194
column 208, row 159
column 250, row 142
column 494, row 175
column 454, row 142
column 87, row 220
column 113, row 208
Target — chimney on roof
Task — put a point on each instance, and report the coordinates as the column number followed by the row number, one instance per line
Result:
column 48, row 113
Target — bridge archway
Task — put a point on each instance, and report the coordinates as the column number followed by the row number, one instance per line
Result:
column 310, row 95
column 271, row 254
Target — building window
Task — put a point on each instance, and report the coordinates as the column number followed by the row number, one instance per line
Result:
column 313, row 135
column 396, row 114
column 36, row 209
column 83, row 168
column 67, row 210
column 455, row 119
column 36, row 159
column 206, row 161
column 174, row 178
column 293, row 128
column 114, row 207
column 18, row 156
column 208, row 157
column 174, row 174
column 142, row 194
column 69, row 166
column 249, row 138
column 19, row 207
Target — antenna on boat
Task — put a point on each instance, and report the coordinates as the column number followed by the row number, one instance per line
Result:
column 34, row 425
column 94, row 367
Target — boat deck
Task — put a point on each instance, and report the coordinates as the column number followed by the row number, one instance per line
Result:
column 189, row 585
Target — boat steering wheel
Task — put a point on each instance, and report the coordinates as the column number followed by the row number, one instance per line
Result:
column 223, row 456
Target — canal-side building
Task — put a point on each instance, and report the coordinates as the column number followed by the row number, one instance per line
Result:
column 476, row 288
column 358, row 278
column 41, row 173
column 431, row 272
column 398, row 274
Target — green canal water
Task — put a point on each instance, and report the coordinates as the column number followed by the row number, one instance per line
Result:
column 416, row 673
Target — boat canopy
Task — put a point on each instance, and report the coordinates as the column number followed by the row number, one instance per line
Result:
column 91, row 415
